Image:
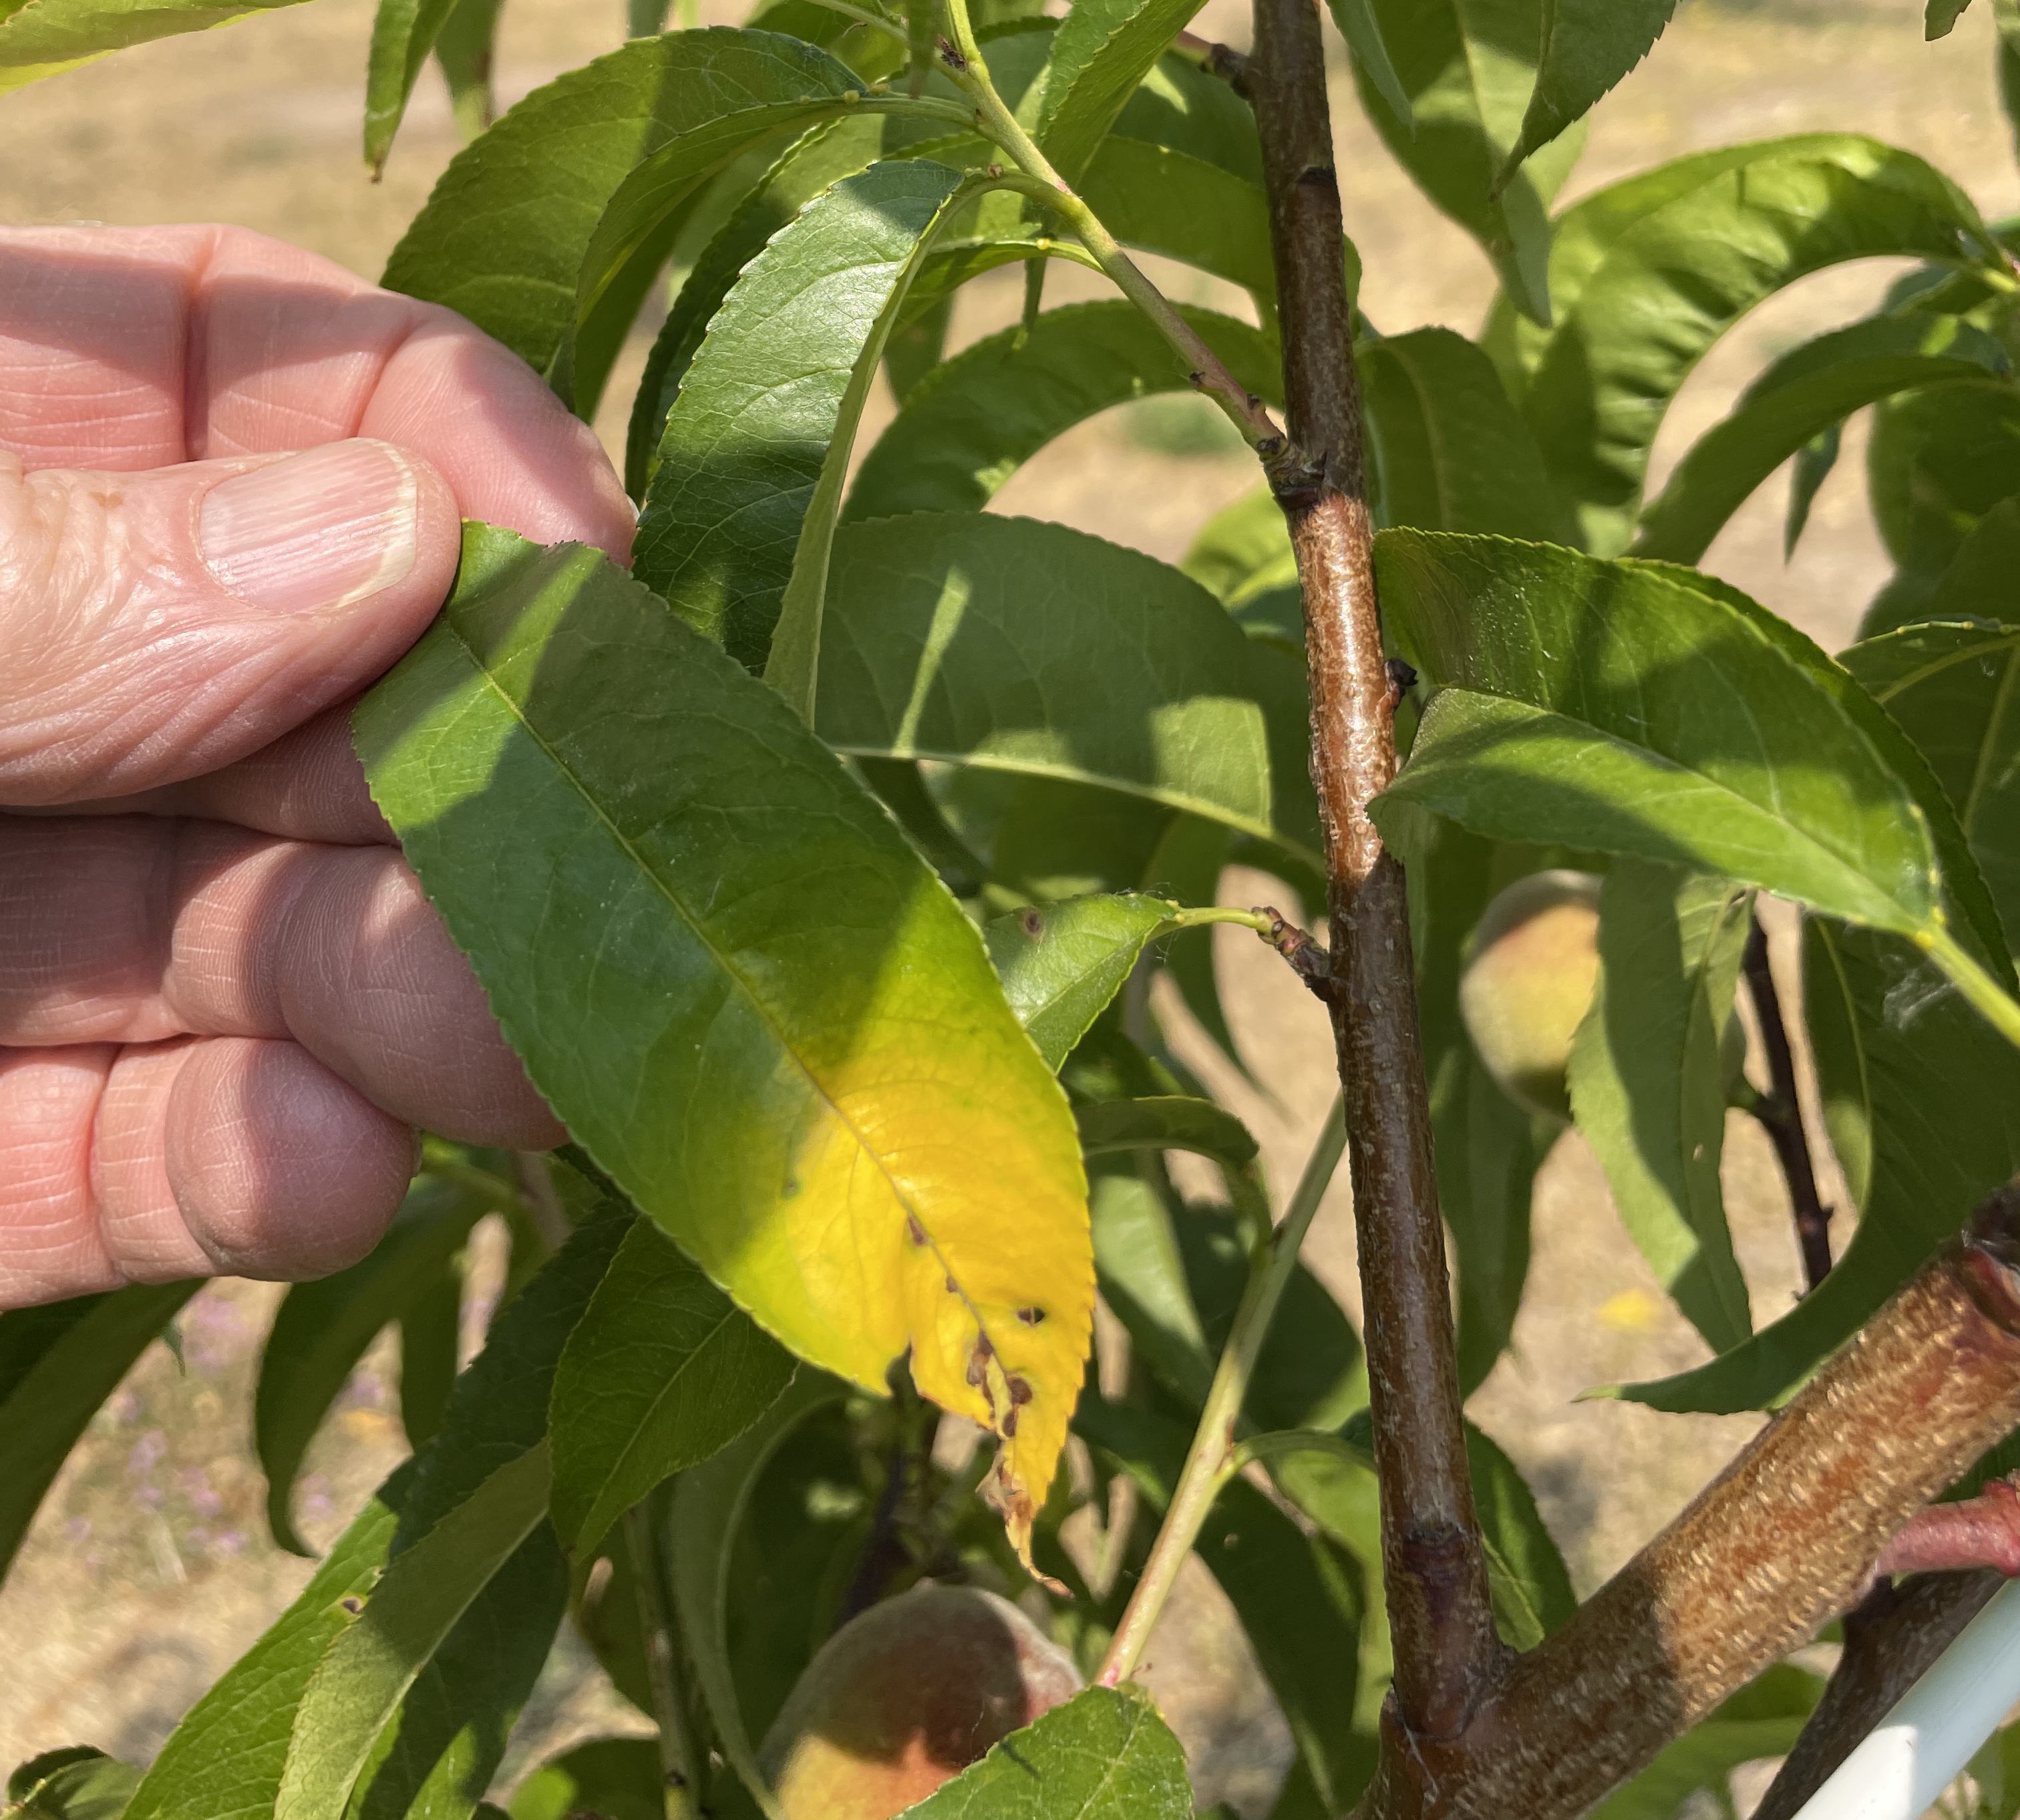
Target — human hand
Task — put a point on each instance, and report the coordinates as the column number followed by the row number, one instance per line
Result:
column 225, row 1004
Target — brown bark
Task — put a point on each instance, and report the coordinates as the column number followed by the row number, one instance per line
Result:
column 1884, row 1657
column 1785, row 1537
column 1446, row 1645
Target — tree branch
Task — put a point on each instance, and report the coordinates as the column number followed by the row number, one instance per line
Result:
column 1788, row 1535
column 1780, row 1113
column 1884, row 1655
column 1446, row 1644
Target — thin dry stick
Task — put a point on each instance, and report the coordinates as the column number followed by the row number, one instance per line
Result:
column 1446, row 1645
column 1787, row 1536
column 1780, row 1112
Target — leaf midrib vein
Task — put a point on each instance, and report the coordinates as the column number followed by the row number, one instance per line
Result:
column 681, row 910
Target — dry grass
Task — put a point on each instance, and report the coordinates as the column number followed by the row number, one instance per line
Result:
column 149, row 1569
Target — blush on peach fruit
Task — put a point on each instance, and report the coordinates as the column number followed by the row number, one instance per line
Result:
column 1531, row 966
column 904, row 1697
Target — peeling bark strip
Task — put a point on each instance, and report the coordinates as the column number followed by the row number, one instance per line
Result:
column 1896, row 1649
column 1446, row 1644
column 1786, row 1537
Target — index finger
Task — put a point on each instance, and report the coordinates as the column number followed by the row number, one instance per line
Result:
column 128, row 349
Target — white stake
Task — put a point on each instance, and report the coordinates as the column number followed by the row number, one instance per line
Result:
column 1921, row 1747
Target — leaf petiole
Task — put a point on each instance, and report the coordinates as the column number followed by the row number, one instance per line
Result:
column 1993, row 1001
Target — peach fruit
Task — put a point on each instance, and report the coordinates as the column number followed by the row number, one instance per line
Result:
column 904, row 1697
column 1532, row 966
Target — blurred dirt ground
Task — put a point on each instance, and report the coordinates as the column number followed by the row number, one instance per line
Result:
column 149, row 1569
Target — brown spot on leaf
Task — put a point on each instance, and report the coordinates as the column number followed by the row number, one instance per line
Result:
column 916, row 1232
column 352, row 1603
column 1020, row 1391
column 1010, row 1425
column 1031, row 922
column 1030, row 1317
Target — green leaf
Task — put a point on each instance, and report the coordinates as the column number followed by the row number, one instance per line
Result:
column 662, row 1371
column 1050, row 840
column 1310, row 1372
column 1133, row 678
column 1488, row 1151
column 1450, row 452
column 737, row 522
column 1647, row 273
column 1647, row 1079
column 499, row 1408
column 1243, row 550
column 1105, row 1754
column 1884, row 1028
column 1101, row 51
column 1978, row 582
column 1798, row 398
column 466, row 49
column 794, row 1557
column 708, row 1507
column 1188, row 863
column 1938, row 465
column 57, row 1364
column 76, row 1783
column 618, row 1778
column 1172, row 1123
column 224, row 1761
column 1143, row 1280
column 1488, row 1147
column 1161, row 200
column 970, row 422
column 403, row 33
column 1469, row 74
column 648, row 208
column 430, row 1351
column 1951, row 687
column 446, row 1743
column 45, row 37
column 1637, row 708
column 1763, row 1720
column 1811, row 469
column 1063, row 963
column 1589, row 46
column 1362, row 30
column 1300, row 1598
column 846, row 1070
column 323, row 1328
column 375, row 1658
column 827, row 152
column 1939, row 16
column 503, row 236
column 1181, row 105
column 1526, row 1578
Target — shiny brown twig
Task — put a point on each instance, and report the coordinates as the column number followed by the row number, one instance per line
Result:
column 1435, row 1570
column 1780, row 1113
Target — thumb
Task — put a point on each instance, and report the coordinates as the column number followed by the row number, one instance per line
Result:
column 158, row 625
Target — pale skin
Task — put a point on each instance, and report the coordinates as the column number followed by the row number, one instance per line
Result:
column 226, row 1007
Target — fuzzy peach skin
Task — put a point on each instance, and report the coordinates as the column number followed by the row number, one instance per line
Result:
column 906, row 1696
column 232, row 476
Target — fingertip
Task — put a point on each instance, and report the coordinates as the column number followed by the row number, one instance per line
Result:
column 515, row 455
column 280, row 1169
